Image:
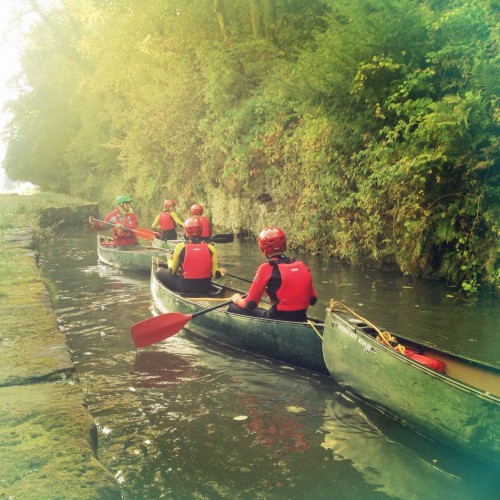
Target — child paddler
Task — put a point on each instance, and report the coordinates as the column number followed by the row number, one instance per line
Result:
column 193, row 263
column 197, row 211
column 123, row 219
column 287, row 281
column 167, row 220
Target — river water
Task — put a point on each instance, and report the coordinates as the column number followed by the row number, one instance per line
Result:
column 188, row 419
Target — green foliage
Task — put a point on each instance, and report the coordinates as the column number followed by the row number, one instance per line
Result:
column 367, row 129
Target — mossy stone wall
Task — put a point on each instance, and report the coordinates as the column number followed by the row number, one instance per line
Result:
column 48, row 439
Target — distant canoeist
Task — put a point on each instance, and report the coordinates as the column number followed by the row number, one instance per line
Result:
column 121, row 220
column 193, row 264
column 197, row 211
column 287, row 281
column 167, row 221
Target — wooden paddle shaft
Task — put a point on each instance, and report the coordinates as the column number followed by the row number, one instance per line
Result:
column 142, row 232
column 238, row 277
column 208, row 309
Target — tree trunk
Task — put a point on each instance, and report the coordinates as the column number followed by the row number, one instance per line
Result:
column 220, row 14
column 256, row 18
column 269, row 19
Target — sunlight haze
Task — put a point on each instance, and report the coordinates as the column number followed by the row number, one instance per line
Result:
column 10, row 45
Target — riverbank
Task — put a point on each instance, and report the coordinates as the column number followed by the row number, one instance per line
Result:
column 48, row 439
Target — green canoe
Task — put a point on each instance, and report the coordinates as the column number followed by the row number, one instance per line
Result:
column 137, row 259
column 297, row 344
column 460, row 407
column 167, row 245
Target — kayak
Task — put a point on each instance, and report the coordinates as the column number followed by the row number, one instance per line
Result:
column 444, row 396
column 293, row 343
column 136, row 259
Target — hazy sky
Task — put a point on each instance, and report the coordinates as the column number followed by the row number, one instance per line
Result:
column 12, row 29
column 10, row 44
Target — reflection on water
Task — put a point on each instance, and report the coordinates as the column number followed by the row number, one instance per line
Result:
column 160, row 369
column 398, row 461
column 189, row 419
column 389, row 466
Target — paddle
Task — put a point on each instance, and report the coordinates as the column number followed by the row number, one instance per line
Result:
column 238, row 277
column 216, row 238
column 222, row 238
column 142, row 232
column 158, row 328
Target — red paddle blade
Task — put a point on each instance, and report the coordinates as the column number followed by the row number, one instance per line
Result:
column 145, row 234
column 158, row 328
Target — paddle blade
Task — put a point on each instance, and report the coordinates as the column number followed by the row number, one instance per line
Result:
column 158, row 328
column 222, row 238
column 145, row 234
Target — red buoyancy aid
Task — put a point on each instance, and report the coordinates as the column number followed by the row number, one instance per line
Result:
column 296, row 288
column 166, row 222
column 432, row 363
column 114, row 216
column 122, row 237
column 197, row 262
column 206, row 232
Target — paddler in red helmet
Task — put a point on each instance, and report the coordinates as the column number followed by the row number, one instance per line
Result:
column 167, row 220
column 206, row 232
column 193, row 263
column 287, row 282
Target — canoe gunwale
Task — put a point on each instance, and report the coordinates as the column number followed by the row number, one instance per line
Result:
column 165, row 245
column 428, row 350
column 448, row 379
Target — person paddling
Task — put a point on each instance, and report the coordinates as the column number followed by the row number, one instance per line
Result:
column 197, row 211
column 193, row 263
column 167, row 220
column 122, row 219
column 287, row 281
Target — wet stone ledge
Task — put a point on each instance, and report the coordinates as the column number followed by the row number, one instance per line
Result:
column 48, row 439
column 77, row 214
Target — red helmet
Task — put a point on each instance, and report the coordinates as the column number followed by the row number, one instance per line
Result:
column 193, row 227
column 272, row 241
column 197, row 209
column 169, row 203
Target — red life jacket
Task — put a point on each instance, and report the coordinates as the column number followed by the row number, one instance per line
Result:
column 197, row 262
column 296, row 287
column 122, row 237
column 432, row 363
column 206, row 232
column 114, row 216
column 166, row 222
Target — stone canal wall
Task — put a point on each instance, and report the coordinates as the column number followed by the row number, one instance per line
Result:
column 48, row 439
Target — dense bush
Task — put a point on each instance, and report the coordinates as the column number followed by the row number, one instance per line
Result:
column 367, row 129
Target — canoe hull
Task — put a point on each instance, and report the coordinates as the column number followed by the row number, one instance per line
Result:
column 166, row 245
column 436, row 404
column 295, row 344
column 131, row 260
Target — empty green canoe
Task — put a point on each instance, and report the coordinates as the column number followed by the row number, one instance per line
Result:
column 460, row 406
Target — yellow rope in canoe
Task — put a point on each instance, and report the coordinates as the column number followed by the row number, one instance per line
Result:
column 315, row 329
column 384, row 337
